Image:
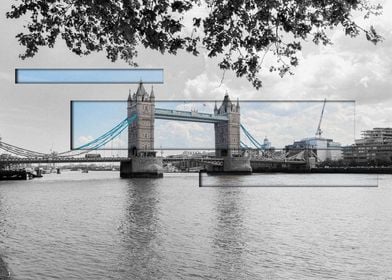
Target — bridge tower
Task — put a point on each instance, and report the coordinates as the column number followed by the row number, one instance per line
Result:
column 227, row 139
column 141, row 131
column 142, row 160
column 227, row 134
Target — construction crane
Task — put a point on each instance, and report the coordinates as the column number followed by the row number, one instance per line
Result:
column 319, row 131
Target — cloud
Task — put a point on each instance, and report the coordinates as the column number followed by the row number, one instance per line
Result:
column 201, row 107
column 364, row 81
column 349, row 69
column 84, row 139
column 175, row 134
column 283, row 128
column 204, row 86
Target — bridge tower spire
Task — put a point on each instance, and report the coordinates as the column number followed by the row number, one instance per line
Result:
column 152, row 96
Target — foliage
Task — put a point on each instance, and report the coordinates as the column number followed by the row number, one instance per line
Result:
column 239, row 32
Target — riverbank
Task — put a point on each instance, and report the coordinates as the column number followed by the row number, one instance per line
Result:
column 353, row 170
column 329, row 170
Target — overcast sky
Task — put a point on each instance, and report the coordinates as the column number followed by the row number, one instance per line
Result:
column 37, row 117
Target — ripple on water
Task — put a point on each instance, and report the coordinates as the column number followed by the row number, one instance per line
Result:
column 96, row 226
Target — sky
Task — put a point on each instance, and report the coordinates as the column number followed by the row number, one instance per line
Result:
column 281, row 120
column 37, row 117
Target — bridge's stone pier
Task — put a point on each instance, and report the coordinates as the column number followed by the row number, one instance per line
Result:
column 141, row 168
column 142, row 160
column 238, row 165
column 234, row 165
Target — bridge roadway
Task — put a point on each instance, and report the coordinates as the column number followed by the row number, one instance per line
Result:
column 213, row 161
column 167, row 114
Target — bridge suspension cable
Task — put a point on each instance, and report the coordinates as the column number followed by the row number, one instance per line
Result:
column 83, row 149
column 108, row 136
column 19, row 151
column 103, row 139
column 252, row 139
column 243, row 145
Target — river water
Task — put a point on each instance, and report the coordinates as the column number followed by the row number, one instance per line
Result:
column 97, row 226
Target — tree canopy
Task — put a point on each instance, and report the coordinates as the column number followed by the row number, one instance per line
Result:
column 239, row 32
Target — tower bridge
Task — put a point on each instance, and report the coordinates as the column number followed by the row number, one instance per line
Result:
column 141, row 160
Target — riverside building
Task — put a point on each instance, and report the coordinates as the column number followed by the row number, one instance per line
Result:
column 374, row 148
column 323, row 148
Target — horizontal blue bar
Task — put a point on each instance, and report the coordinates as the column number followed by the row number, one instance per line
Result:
column 88, row 76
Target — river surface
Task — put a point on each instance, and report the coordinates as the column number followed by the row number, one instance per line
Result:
column 97, row 226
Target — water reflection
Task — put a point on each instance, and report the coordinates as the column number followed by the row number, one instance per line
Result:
column 2, row 216
column 107, row 228
column 141, row 257
column 229, row 244
column 223, row 181
column 3, row 234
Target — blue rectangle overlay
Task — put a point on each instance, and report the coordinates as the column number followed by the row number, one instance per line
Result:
column 88, row 76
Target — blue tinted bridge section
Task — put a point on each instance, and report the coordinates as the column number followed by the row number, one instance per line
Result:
column 88, row 76
column 167, row 114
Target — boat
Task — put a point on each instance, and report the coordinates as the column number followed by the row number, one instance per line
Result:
column 20, row 174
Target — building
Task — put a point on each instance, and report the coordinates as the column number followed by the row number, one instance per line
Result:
column 374, row 148
column 266, row 143
column 323, row 148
